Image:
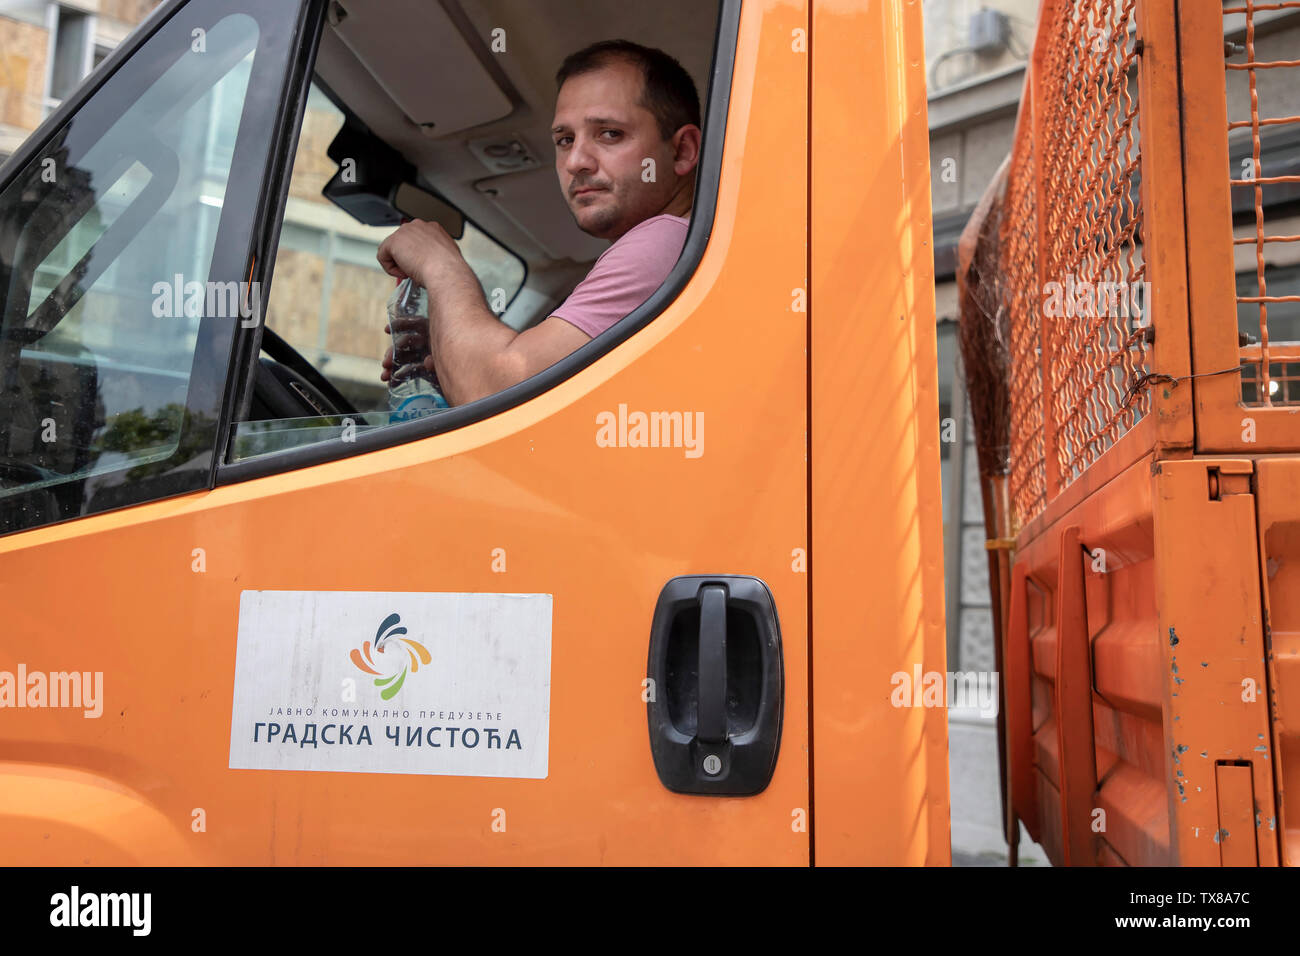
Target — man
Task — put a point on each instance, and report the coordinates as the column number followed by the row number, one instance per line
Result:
column 627, row 142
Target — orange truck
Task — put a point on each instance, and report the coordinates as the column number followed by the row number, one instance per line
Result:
column 1131, row 349
column 649, row 606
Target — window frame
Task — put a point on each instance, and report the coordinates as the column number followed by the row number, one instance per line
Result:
column 708, row 176
column 242, row 221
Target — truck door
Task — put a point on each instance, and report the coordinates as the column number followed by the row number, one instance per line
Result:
column 563, row 624
column 111, row 400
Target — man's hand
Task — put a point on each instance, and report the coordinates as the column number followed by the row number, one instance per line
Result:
column 386, row 372
column 424, row 252
column 475, row 354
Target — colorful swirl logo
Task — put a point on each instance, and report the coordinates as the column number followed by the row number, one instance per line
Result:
column 386, row 638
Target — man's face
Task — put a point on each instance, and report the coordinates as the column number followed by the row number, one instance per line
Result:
column 602, row 138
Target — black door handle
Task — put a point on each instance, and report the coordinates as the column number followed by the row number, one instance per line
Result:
column 712, row 724
column 716, row 685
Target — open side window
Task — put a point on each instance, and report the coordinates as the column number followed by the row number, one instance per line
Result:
column 323, row 334
column 126, row 223
column 310, row 390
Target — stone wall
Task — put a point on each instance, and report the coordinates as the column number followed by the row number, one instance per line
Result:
column 23, row 61
column 128, row 11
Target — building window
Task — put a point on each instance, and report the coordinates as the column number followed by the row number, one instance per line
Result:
column 72, row 53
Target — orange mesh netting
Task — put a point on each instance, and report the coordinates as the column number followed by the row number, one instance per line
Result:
column 1068, row 255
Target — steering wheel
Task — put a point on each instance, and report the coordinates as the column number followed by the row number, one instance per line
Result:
column 35, row 506
column 288, row 386
column 21, row 473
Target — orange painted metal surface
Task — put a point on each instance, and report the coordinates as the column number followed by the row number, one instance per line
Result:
column 1212, row 629
column 600, row 529
column 1147, row 687
column 1092, row 624
column 1237, row 824
column 877, row 566
column 1018, row 680
column 1074, row 732
column 1278, row 484
column 1162, row 579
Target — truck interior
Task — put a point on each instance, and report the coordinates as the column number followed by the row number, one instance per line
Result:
column 431, row 110
column 462, row 138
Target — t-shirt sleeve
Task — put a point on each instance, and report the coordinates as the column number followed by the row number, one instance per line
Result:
column 624, row 276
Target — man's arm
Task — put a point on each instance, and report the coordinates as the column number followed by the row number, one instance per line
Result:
column 475, row 354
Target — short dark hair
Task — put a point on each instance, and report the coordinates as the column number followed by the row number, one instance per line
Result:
column 667, row 90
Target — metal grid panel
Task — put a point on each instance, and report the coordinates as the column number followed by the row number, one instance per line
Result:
column 1271, row 375
column 1091, row 230
column 1018, row 247
column 1072, row 251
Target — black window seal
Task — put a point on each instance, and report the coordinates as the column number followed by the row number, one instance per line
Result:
column 708, row 176
column 261, row 257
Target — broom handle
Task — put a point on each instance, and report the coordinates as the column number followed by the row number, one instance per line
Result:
column 996, row 527
column 1002, row 501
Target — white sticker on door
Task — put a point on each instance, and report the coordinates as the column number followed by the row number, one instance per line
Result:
column 393, row 682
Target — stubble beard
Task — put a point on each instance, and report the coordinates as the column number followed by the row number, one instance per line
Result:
column 598, row 223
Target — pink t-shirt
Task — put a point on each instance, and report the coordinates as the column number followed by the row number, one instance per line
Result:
column 626, row 274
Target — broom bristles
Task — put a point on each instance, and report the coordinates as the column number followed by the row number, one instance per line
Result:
column 986, row 358
column 984, row 334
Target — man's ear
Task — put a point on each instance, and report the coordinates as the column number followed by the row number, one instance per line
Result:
column 686, row 149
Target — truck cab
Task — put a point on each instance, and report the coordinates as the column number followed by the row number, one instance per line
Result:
column 664, row 586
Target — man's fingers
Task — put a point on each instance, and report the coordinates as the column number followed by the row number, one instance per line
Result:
column 407, row 238
column 412, row 342
column 409, row 323
column 410, row 370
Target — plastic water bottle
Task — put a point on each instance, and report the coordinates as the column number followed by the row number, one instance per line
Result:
column 413, row 390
